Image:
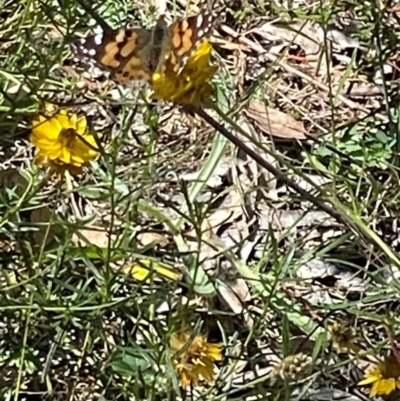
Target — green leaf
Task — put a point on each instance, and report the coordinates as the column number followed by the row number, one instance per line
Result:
column 131, row 361
column 322, row 151
column 382, row 137
column 91, row 193
column 353, row 147
column 198, row 277
column 314, row 161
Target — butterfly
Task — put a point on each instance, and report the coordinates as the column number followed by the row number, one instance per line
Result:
column 134, row 55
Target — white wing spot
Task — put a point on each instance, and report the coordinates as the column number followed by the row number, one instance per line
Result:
column 90, row 52
column 199, row 21
column 98, row 39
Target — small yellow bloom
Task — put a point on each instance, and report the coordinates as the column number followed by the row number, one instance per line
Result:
column 385, row 377
column 142, row 270
column 196, row 361
column 189, row 86
column 63, row 140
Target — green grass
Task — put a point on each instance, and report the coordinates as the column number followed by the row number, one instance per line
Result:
column 74, row 326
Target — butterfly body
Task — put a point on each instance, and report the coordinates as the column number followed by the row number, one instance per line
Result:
column 134, row 55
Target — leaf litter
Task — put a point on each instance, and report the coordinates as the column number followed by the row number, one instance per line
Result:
column 283, row 271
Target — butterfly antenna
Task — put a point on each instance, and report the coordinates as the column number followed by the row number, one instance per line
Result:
column 94, row 15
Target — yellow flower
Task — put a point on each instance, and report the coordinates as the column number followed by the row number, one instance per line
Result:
column 190, row 85
column 63, row 140
column 385, row 377
column 196, row 360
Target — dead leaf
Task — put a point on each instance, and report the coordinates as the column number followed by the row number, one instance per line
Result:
column 274, row 122
column 229, row 211
column 340, row 38
column 93, row 236
column 232, row 46
column 301, row 33
column 152, row 238
column 305, row 34
column 236, row 293
column 316, row 268
column 395, row 9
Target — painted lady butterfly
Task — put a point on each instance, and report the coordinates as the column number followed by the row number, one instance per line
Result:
column 133, row 55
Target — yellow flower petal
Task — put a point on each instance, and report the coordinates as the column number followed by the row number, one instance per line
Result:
column 196, row 361
column 215, row 352
column 65, row 121
column 389, row 386
column 41, row 159
column 65, row 156
column 384, row 378
column 185, row 380
column 72, row 120
column 45, row 129
column 55, row 152
column 368, row 380
column 374, row 389
column 189, row 86
column 81, row 125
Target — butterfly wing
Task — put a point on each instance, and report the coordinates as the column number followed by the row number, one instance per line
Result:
column 133, row 55
column 183, row 36
column 123, row 52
